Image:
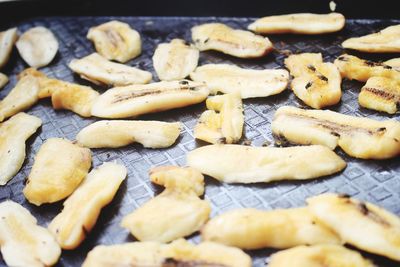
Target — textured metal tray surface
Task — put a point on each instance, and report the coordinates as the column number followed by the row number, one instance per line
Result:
column 374, row 181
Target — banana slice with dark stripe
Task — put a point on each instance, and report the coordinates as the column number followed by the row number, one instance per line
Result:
column 3, row 80
column 7, row 40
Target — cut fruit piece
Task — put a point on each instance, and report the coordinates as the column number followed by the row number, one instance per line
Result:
column 3, row 80
column 7, row 40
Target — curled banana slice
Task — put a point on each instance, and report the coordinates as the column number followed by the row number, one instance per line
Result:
column 3, row 80
column 7, row 40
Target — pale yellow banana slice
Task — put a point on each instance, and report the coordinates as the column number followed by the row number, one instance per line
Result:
column 99, row 70
column 13, row 135
column 3, row 80
column 83, row 207
column 316, row 83
column 359, row 137
column 361, row 224
column 116, row 40
column 238, row 43
column 7, row 40
column 118, row 133
column 385, row 41
column 176, row 212
column 134, row 100
column 22, row 241
column 245, row 164
column 302, row 23
column 394, row 62
column 249, row 83
column 175, row 60
column 59, row 168
column 37, row 46
column 223, row 121
column 255, row 229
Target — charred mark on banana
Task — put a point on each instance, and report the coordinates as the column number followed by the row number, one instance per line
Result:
column 322, row 78
column 171, row 262
column 311, row 67
column 309, row 84
column 343, row 58
column 380, row 93
column 364, row 210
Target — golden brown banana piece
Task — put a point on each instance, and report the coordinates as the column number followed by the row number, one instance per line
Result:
column 361, row 224
column 177, row 253
column 238, row 43
column 302, row 23
column 359, row 137
column 7, row 40
column 3, row 80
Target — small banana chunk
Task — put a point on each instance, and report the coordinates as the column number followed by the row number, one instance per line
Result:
column 116, row 40
column 238, row 43
column 3, row 80
column 37, row 46
column 22, row 241
column 13, row 135
column 7, row 40
column 176, row 212
column 249, row 83
column 316, row 83
column 361, row 224
column 118, row 133
column 83, row 207
column 59, row 168
column 226, row 126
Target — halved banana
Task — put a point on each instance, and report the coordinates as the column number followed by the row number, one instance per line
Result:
column 176, row 212
column 82, row 208
column 316, row 83
column 226, row 126
column 3, row 80
column 13, row 135
column 59, row 168
column 7, row 40
column 249, row 83
column 22, row 241
column 238, row 43
column 361, row 224
column 245, row 164
column 302, row 23
column 116, row 40
column 135, row 100
column 359, row 137
column 99, row 70
column 37, row 46
column 118, row 133
column 175, row 60
column 385, row 41
column 255, row 229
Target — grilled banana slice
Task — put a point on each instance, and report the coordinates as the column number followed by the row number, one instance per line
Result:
column 255, row 229
column 178, row 253
column 359, row 137
column 249, row 83
column 13, row 135
column 7, row 40
column 316, row 83
column 361, row 224
column 319, row 256
column 59, row 168
column 44, row 90
column 135, row 100
column 3, row 80
column 385, row 41
column 100, row 71
column 83, row 207
column 394, row 63
column 176, row 212
column 244, row 164
column 152, row 134
column 303, row 23
column 37, row 46
column 238, row 43
column 22, row 241
column 226, row 126
column 175, row 60
column 116, row 40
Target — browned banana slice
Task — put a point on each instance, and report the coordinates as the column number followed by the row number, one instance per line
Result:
column 7, row 40
column 83, row 207
column 359, row 137
column 116, row 40
column 316, row 83
column 59, row 168
column 249, row 83
column 175, row 60
column 385, row 41
column 361, row 224
column 176, row 212
column 303, row 23
column 238, row 43
column 22, row 241
column 3, row 80
column 134, row 100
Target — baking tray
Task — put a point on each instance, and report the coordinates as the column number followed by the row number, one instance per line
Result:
column 374, row 181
